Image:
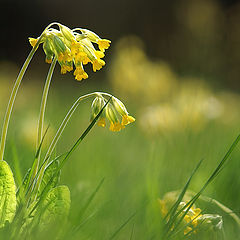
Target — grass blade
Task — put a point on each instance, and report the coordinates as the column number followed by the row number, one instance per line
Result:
column 173, row 210
column 89, row 201
column 122, row 226
column 210, row 179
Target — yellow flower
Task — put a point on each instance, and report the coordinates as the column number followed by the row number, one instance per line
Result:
column 116, row 126
column 48, row 60
column 99, row 54
column 81, row 57
column 80, row 73
column 126, row 119
column 75, row 47
column 33, row 41
column 103, row 44
column 187, row 230
column 101, row 122
column 192, row 218
column 98, row 64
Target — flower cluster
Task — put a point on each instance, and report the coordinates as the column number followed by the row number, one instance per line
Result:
column 73, row 48
column 113, row 112
column 191, row 219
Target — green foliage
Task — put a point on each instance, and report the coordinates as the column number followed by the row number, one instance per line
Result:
column 8, row 200
column 56, row 206
column 49, row 176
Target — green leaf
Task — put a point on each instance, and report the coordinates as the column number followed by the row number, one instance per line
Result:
column 56, row 206
column 8, row 200
column 50, row 177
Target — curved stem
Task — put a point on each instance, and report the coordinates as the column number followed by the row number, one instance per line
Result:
column 44, row 102
column 56, row 138
column 41, row 116
column 64, row 123
column 12, row 100
column 14, row 93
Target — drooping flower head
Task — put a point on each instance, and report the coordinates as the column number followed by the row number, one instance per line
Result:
column 73, row 48
column 194, row 221
column 115, row 112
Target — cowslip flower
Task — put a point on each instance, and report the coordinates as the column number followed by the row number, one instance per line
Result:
column 192, row 218
column 73, row 48
column 115, row 112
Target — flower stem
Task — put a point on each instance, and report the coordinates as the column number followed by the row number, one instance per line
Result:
column 41, row 117
column 12, row 100
column 57, row 137
column 44, row 102
column 15, row 91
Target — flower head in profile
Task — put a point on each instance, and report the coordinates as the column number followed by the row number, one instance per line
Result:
column 115, row 112
column 73, row 49
column 190, row 220
column 193, row 220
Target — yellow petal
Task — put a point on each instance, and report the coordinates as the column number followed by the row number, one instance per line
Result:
column 101, row 122
column 33, row 41
column 187, row 230
column 103, row 44
column 126, row 119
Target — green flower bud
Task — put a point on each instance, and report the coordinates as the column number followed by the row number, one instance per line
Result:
column 119, row 106
column 67, row 33
column 58, row 44
column 111, row 113
column 47, row 48
column 93, row 37
column 97, row 105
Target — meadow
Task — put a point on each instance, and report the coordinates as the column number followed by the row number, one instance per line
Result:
column 117, row 179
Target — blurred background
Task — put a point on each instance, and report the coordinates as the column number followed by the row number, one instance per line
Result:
column 175, row 64
column 199, row 37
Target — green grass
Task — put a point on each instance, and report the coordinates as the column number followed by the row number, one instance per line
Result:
column 137, row 169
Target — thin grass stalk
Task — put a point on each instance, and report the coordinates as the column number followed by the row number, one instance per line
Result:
column 122, row 226
column 173, row 210
column 210, row 179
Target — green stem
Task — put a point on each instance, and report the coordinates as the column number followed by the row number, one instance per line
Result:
column 41, row 117
column 14, row 94
column 12, row 100
column 57, row 136
column 223, row 207
column 44, row 102
column 65, row 121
